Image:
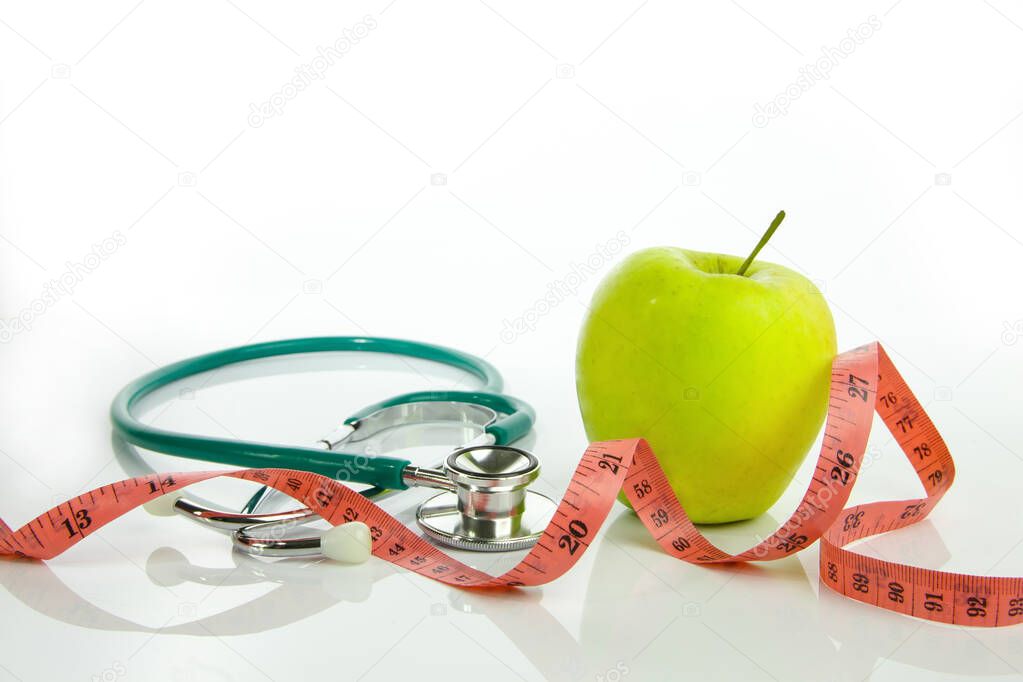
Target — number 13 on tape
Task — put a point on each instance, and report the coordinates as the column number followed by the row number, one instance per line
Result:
column 863, row 381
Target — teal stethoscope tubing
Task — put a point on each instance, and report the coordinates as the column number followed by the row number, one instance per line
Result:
column 514, row 421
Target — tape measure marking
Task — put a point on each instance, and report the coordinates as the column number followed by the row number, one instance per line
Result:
column 864, row 380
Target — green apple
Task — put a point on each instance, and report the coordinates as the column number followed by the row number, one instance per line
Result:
column 723, row 365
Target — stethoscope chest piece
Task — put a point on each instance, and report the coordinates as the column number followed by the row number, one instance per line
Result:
column 488, row 507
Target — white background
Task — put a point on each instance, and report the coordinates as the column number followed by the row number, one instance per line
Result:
column 449, row 168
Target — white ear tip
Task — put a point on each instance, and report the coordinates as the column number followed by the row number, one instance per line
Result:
column 349, row 543
column 163, row 505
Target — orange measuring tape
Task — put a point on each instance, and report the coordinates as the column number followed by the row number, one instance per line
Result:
column 864, row 380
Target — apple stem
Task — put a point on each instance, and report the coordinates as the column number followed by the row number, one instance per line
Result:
column 763, row 241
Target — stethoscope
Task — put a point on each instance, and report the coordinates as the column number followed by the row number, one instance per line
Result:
column 485, row 504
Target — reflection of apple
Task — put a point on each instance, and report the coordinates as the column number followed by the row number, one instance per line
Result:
column 725, row 374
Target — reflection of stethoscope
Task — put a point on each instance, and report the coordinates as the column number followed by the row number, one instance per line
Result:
column 485, row 505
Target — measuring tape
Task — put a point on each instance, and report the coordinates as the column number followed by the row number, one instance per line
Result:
column 863, row 381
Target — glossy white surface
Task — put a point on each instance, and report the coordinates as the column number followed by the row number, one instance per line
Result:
column 463, row 167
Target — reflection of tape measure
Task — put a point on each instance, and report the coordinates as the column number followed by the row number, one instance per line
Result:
column 863, row 380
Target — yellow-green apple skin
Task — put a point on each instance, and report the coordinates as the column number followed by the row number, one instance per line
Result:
column 726, row 376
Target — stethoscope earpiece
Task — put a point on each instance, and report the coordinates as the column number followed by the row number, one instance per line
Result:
column 349, row 543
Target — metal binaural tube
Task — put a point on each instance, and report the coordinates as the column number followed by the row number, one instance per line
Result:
column 229, row 521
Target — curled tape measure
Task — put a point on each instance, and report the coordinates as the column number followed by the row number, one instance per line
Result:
column 863, row 380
